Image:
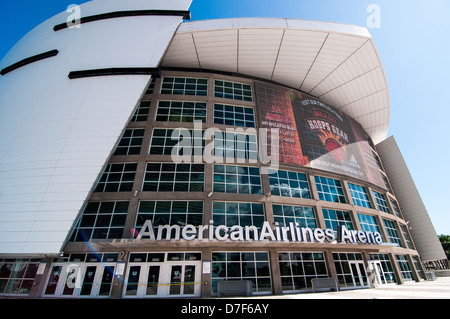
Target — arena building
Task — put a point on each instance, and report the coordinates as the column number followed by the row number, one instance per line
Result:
column 146, row 156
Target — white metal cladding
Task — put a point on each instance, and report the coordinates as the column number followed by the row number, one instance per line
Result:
column 337, row 63
column 57, row 133
column 413, row 208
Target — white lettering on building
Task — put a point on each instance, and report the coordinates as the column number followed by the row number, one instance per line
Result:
column 290, row 233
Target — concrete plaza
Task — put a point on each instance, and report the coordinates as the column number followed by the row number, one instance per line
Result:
column 437, row 289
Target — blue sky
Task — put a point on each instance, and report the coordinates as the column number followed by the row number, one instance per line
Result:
column 414, row 45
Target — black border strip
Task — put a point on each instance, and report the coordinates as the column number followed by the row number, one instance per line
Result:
column 29, row 60
column 114, row 71
column 119, row 14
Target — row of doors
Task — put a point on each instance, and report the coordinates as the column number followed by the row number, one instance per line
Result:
column 80, row 280
column 174, row 279
column 146, row 280
column 359, row 273
column 178, row 279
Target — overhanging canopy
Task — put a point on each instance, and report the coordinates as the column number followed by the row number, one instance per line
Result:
column 336, row 63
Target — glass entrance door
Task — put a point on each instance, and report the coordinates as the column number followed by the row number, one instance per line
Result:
column 358, row 273
column 80, row 280
column 378, row 273
column 147, row 280
column 182, row 280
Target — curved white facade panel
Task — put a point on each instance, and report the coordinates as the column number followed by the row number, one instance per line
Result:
column 57, row 133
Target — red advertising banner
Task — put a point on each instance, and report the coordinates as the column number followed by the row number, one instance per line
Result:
column 275, row 111
column 315, row 134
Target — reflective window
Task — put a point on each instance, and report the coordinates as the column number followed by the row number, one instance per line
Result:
column 359, row 196
column 237, row 179
column 289, row 184
column 117, row 178
column 405, row 267
column 164, row 140
column 386, row 265
column 406, row 236
column 298, row 269
column 234, row 115
column 253, row 266
column 346, row 274
column 130, row 143
column 368, row 223
column 381, row 202
column 392, row 232
column 334, row 219
column 242, row 214
column 395, row 208
column 181, row 111
column 184, row 86
column 180, row 213
column 235, row 145
column 233, row 90
column 101, row 220
column 17, row 275
column 171, row 177
column 330, row 190
column 285, row 214
column 151, row 86
column 141, row 113
column 418, row 266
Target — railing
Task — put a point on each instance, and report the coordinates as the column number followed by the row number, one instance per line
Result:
column 442, row 264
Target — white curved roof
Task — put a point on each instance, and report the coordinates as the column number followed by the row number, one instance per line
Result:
column 336, row 63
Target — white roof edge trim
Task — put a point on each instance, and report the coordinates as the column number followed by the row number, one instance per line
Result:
column 271, row 23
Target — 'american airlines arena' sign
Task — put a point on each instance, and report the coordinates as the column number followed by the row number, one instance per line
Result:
column 291, row 233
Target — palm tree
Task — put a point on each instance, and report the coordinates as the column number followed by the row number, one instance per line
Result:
column 445, row 241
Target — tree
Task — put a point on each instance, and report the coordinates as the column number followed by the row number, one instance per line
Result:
column 445, row 241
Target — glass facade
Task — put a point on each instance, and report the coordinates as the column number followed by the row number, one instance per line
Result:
column 234, row 115
column 17, row 275
column 235, row 145
column 168, row 177
column 101, row 220
column 405, row 267
column 359, row 196
column 238, row 213
column 145, row 184
column 181, row 111
column 392, row 232
column 233, row 90
column 289, row 184
column 298, row 215
column 180, row 213
column 253, row 266
column 334, row 219
column 130, row 143
column 350, row 269
column 381, row 202
column 117, row 178
column 330, row 190
column 237, row 179
column 165, row 140
column 299, row 268
column 368, row 223
column 184, row 86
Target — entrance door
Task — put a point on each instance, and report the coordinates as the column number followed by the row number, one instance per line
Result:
column 143, row 280
column 80, row 280
column 358, row 273
column 378, row 273
column 182, row 280
column 147, row 280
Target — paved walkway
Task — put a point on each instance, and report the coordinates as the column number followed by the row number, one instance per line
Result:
column 437, row 289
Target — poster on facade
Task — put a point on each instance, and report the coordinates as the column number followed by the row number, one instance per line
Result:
column 315, row 134
column 275, row 111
